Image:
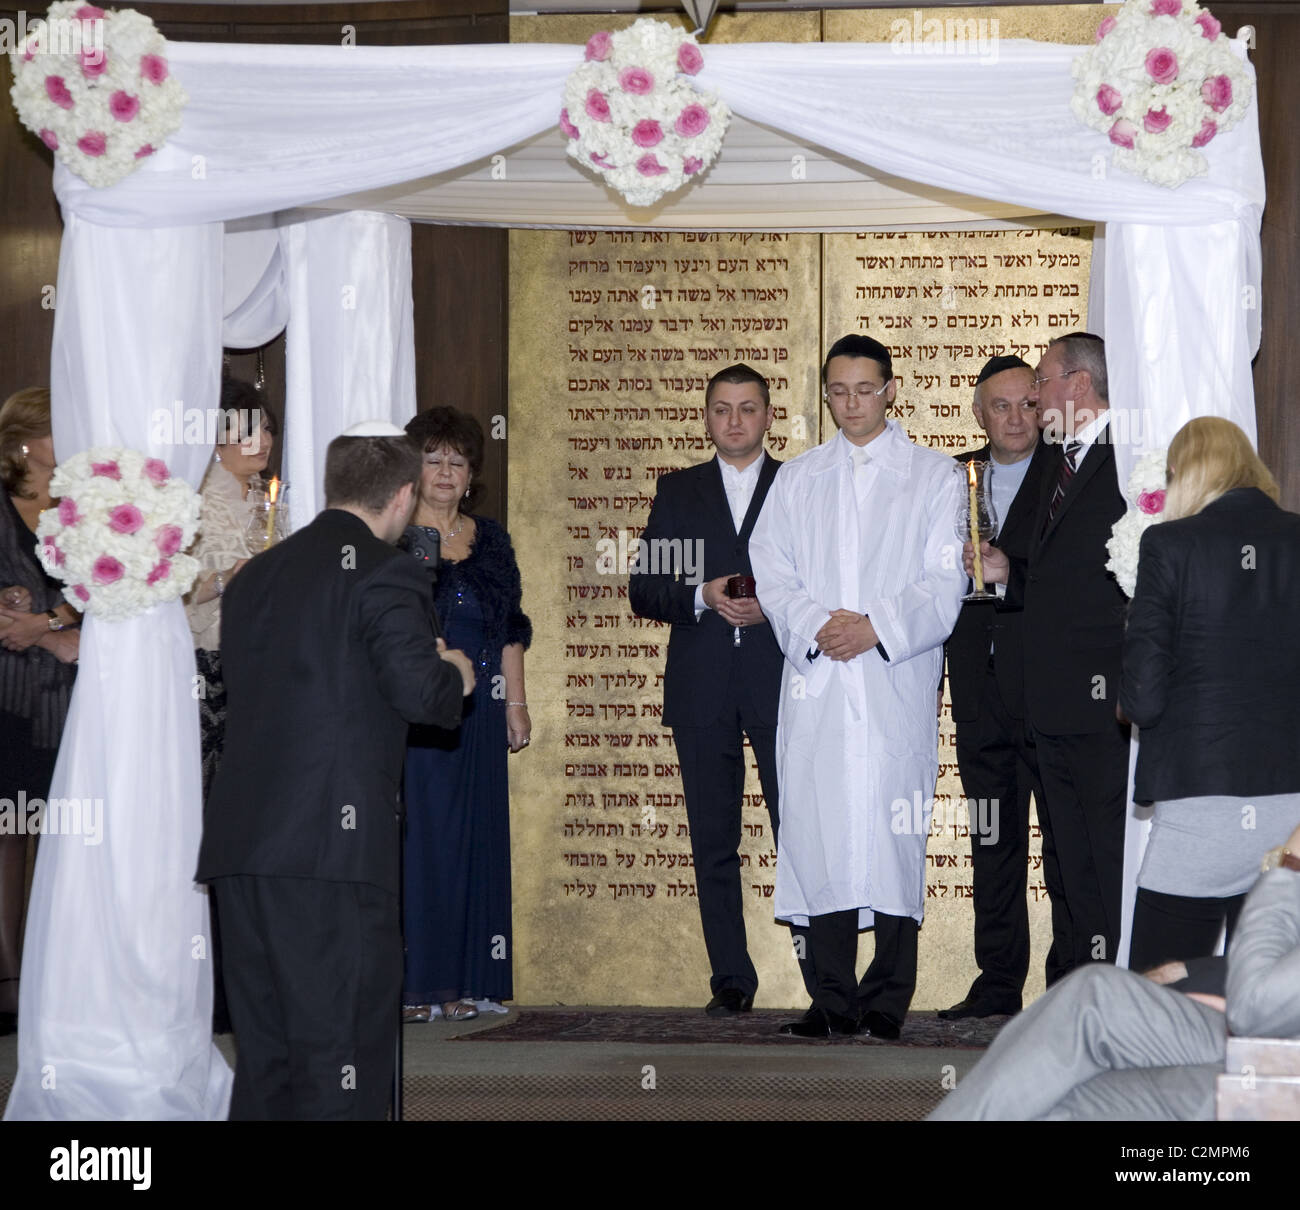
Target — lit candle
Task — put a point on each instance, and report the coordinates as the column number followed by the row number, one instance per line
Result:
column 273, row 490
column 977, row 563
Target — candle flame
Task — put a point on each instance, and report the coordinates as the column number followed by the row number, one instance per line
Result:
column 970, row 472
column 273, row 489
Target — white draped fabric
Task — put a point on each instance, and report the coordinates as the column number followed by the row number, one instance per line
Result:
column 115, row 1010
column 350, row 347
column 144, row 305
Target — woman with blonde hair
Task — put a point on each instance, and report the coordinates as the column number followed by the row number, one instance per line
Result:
column 1212, row 679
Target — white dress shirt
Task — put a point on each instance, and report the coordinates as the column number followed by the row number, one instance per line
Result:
column 739, row 486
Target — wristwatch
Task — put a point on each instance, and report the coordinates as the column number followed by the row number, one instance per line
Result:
column 1280, row 858
column 55, row 623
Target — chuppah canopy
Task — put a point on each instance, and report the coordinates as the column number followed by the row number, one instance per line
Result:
column 142, row 301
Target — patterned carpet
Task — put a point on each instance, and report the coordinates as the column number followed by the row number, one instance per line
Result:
column 675, row 1027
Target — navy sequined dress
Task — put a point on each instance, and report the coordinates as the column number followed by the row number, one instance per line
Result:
column 459, row 941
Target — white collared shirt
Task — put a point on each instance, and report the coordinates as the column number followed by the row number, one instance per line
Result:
column 739, row 486
column 1088, row 435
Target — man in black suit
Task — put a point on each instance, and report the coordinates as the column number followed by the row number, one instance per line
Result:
column 328, row 652
column 722, row 680
column 1073, row 637
column 999, row 767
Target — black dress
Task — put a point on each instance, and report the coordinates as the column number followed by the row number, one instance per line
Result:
column 459, row 941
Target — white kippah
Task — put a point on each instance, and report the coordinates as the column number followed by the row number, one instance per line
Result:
column 374, row 428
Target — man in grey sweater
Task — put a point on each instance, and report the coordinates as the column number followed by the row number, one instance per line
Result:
column 1108, row 1044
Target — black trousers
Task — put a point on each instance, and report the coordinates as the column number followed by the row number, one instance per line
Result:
column 1174, row 928
column 999, row 772
column 314, row 981
column 712, row 761
column 1085, row 785
column 889, row 982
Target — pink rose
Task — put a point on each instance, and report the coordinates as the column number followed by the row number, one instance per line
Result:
column 153, row 68
column 156, row 471
column 68, row 514
column 647, row 165
column 93, row 63
column 105, row 470
column 601, row 161
column 1166, row 8
column 1105, row 27
column 599, row 47
column 125, row 519
column 1162, row 65
column 647, row 133
column 53, row 551
column 691, row 165
column 168, row 540
column 1157, row 121
column 123, row 106
column 50, row 139
column 1210, row 27
column 58, row 92
column 692, row 120
column 689, row 59
column 1108, row 99
column 79, row 590
column 1123, row 133
column 597, row 106
column 92, row 143
column 636, row 80
column 1216, row 92
column 1152, row 502
column 89, row 12
column 1209, row 128
column 569, row 129
column 107, row 570
column 147, row 149
column 160, row 572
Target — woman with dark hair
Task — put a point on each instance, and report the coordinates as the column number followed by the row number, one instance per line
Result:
column 38, row 653
column 1211, row 668
column 245, row 435
column 457, row 881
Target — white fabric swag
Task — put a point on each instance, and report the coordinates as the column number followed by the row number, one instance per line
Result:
column 149, row 289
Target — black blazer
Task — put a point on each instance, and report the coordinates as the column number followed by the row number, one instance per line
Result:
column 1074, row 609
column 691, row 505
column 997, row 624
column 327, row 653
column 1212, row 652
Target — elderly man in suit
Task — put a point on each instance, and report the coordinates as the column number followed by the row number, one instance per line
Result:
column 1074, row 624
column 329, row 652
column 998, row 764
column 1111, row 1045
column 723, row 673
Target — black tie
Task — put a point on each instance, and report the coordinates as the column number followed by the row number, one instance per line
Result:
column 1072, row 448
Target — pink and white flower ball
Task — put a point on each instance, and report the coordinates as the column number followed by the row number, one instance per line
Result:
column 1161, row 83
column 108, row 103
column 633, row 114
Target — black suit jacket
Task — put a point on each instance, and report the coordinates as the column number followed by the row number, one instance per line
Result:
column 691, row 505
column 997, row 624
column 1074, row 609
column 1212, row 652
column 327, row 653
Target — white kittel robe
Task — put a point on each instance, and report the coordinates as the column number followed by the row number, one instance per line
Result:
column 857, row 741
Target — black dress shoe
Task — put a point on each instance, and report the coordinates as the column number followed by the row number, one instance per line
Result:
column 729, row 1000
column 880, row 1025
column 977, row 1008
column 821, row 1023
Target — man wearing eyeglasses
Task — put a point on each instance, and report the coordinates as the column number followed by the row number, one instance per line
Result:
column 998, row 764
column 1073, row 638
column 859, row 573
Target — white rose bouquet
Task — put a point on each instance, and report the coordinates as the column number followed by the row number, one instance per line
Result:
column 1146, row 497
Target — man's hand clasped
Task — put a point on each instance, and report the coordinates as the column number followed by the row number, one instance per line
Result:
column 846, row 635
column 735, row 611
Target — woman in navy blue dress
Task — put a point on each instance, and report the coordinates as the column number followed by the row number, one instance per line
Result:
column 459, row 944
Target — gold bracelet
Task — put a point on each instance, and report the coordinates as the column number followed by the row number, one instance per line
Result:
column 1278, row 858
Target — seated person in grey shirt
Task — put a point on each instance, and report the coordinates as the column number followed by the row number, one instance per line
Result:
column 1108, row 1044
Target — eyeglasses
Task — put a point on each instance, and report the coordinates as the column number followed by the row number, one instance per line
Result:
column 1038, row 382
column 840, row 394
